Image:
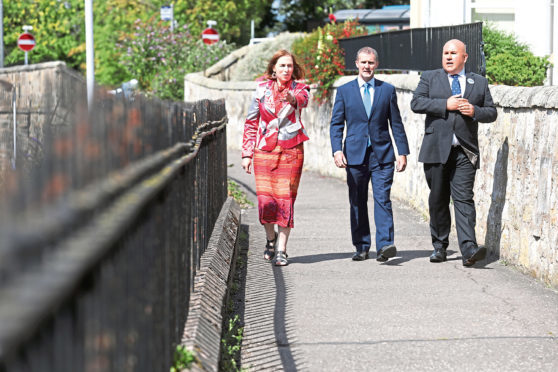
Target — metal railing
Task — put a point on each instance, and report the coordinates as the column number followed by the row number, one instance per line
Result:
column 418, row 49
column 100, row 241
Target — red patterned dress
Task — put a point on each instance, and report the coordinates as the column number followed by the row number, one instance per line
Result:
column 273, row 138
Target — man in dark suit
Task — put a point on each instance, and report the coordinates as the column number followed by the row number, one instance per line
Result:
column 367, row 107
column 454, row 103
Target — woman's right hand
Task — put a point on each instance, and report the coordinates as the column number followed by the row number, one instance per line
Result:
column 247, row 165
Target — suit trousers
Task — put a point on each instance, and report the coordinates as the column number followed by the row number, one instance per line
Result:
column 455, row 178
column 358, row 177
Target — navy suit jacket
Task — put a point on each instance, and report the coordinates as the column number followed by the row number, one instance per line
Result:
column 349, row 110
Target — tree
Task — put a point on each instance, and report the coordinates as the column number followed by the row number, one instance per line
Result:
column 59, row 28
column 233, row 17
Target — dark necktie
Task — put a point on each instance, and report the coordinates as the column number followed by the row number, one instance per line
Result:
column 366, row 99
column 455, row 87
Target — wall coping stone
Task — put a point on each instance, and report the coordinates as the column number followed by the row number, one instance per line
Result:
column 53, row 65
column 199, row 79
column 226, row 62
column 503, row 95
column 203, row 329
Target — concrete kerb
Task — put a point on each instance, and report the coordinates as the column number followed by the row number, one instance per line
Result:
column 203, row 329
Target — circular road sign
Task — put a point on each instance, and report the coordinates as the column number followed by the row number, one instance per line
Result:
column 26, row 42
column 210, row 35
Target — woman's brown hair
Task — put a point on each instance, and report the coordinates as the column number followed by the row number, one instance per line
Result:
column 298, row 72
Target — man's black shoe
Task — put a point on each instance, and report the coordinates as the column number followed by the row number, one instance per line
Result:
column 439, row 255
column 386, row 253
column 360, row 256
column 473, row 254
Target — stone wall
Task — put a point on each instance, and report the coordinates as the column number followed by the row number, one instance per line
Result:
column 515, row 190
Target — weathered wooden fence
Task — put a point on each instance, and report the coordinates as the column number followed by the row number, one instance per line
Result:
column 101, row 233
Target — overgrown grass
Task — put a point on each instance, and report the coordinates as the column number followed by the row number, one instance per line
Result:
column 230, row 345
column 183, row 358
column 238, row 195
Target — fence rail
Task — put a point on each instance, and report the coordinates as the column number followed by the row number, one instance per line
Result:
column 101, row 237
column 418, row 49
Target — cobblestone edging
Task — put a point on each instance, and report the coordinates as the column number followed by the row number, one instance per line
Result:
column 202, row 333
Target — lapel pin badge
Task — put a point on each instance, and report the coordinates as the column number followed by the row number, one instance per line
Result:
column 470, row 81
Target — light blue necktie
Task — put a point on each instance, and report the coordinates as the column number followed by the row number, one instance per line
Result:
column 366, row 99
column 455, row 87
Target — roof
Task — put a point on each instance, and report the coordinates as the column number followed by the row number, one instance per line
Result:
column 389, row 14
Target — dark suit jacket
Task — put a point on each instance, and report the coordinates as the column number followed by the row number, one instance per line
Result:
column 430, row 98
column 348, row 108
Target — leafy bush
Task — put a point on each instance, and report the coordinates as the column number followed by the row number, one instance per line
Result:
column 510, row 62
column 159, row 58
column 254, row 63
column 322, row 58
column 522, row 69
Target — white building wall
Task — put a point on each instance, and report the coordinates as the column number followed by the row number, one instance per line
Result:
column 534, row 22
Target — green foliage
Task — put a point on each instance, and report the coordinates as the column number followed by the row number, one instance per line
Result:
column 254, row 63
column 524, row 69
column 159, row 58
column 510, row 62
column 183, row 358
column 233, row 17
column 57, row 28
column 230, row 345
column 322, row 58
column 237, row 194
column 114, row 21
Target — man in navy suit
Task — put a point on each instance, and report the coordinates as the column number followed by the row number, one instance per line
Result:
column 454, row 101
column 367, row 107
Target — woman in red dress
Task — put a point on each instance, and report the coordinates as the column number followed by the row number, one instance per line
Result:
column 273, row 145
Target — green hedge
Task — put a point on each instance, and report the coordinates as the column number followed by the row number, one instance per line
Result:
column 510, row 62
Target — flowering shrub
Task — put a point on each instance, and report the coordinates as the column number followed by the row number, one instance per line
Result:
column 159, row 59
column 322, row 58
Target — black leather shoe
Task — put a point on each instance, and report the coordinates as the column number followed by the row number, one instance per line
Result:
column 473, row 254
column 439, row 255
column 360, row 256
column 386, row 253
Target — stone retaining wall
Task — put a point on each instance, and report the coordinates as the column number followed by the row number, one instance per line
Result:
column 515, row 191
column 203, row 329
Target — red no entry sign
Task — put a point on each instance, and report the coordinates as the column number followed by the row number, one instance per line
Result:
column 210, row 35
column 26, row 42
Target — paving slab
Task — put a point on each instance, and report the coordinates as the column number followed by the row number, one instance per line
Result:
column 326, row 312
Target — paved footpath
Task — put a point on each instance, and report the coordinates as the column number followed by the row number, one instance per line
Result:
column 325, row 312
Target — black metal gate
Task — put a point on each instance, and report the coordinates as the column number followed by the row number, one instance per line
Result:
column 418, row 49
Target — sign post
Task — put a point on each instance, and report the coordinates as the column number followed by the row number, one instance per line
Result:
column 210, row 35
column 167, row 14
column 26, row 42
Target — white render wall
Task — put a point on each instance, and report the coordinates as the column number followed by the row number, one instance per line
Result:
column 535, row 23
